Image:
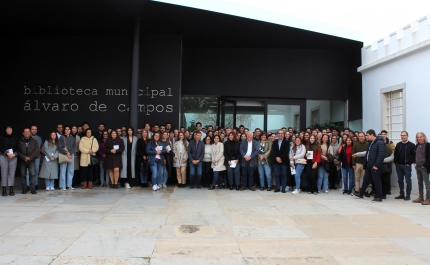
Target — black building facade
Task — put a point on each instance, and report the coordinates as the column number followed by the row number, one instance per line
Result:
column 72, row 62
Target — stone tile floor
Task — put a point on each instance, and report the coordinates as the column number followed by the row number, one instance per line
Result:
column 183, row 226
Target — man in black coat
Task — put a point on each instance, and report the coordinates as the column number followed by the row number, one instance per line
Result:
column 196, row 151
column 280, row 157
column 28, row 151
column 404, row 157
column 373, row 164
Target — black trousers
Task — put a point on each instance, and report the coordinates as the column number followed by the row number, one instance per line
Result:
column 87, row 173
column 207, row 173
column 386, row 183
column 312, row 176
column 369, row 176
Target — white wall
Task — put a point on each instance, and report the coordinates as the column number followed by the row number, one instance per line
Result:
column 414, row 71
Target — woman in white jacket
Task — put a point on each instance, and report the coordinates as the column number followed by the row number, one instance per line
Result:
column 180, row 149
column 297, row 154
column 217, row 160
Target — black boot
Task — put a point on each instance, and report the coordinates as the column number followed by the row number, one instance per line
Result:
column 4, row 192
column 11, row 193
column 237, row 187
column 211, row 187
column 231, row 187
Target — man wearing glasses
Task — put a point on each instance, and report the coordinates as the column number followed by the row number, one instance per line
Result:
column 280, row 158
column 404, row 157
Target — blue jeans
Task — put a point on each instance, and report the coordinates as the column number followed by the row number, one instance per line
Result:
column 265, row 169
column 37, row 162
column 104, row 174
column 215, row 180
column 49, row 183
column 195, row 180
column 155, row 169
column 404, row 173
column 247, row 175
column 322, row 177
column 162, row 174
column 280, row 175
column 348, row 178
column 299, row 170
column 68, row 168
column 236, row 172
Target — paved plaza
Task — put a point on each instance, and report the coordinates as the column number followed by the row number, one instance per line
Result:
column 183, row 226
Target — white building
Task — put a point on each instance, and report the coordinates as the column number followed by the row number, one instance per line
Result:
column 396, row 83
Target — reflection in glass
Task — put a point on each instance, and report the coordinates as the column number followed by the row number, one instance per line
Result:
column 279, row 116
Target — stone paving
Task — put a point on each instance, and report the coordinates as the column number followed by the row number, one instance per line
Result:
column 183, row 226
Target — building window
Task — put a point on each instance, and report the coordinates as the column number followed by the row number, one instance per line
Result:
column 393, row 111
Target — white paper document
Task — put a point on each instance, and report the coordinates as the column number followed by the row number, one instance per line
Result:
column 47, row 158
column 310, row 154
column 116, row 147
column 10, row 151
column 168, row 148
column 293, row 171
column 233, row 163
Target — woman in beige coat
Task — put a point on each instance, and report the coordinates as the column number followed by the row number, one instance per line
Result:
column 88, row 146
column 217, row 160
column 180, row 149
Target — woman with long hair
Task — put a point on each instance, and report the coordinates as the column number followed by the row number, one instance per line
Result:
column 128, row 172
column 156, row 151
column 326, row 149
column 114, row 148
column 8, row 159
column 142, row 167
column 313, row 155
column 166, row 168
column 264, row 163
column 232, row 156
column 101, row 153
column 180, row 150
column 345, row 156
column 49, row 169
column 297, row 152
column 67, row 146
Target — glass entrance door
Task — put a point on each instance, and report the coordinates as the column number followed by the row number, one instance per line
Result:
column 226, row 115
column 283, row 115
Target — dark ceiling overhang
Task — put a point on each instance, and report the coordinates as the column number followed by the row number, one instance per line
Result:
column 198, row 28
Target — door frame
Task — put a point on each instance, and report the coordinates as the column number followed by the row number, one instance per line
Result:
column 220, row 117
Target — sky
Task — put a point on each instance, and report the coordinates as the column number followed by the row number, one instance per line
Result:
column 364, row 20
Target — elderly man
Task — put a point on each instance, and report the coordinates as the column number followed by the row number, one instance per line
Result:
column 280, row 158
column 249, row 153
column 422, row 166
column 28, row 151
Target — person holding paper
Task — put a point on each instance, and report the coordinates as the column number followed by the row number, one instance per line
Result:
column 180, row 149
column 156, row 152
column 49, row 169
column 264, row 162
column 313, row 156
column 114, row 148
column 232, row 154
column 166, row 168
column 249, row 153
column 297, row 154
column 280, row 158
column 217, row 160
column 8, row 159
column 88, row 147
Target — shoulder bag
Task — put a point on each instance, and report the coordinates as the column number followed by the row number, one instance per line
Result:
column 93, row 159
column 63, row 158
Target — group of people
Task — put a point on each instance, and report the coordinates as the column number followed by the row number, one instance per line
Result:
column 314, row 160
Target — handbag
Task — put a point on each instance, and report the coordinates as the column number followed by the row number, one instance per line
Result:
column 63, row 158
column 302, row 161
column 93, row 159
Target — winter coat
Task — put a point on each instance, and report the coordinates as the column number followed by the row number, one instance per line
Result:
column 283, row 152
column 49, row 167
column 69, row 142
column 85, row 145
column 33, row 149
column 133, row 158
column 266, row 153
column 180, row 156
column 299, row 154
column 196, row 152
column 409, row 153
column 254, row 153
column 8, row 142
column 150, row 150
column 375, row 153
column 113, row 160
column 218, row 156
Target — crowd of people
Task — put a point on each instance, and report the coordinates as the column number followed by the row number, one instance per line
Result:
column 315, row 160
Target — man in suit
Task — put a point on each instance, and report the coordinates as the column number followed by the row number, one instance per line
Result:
column 196, row 151
column 249, row 153
column 280, row 158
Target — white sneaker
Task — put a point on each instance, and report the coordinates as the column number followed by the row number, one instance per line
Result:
column 127, row 186
column 64, row 189
column 326, row 191
column 155, row 187
column 158, row 187
column 48, row 188
column 52, row 188
column 295, row 192
column 287, row 188
column 165, row 186
column 71, row 188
